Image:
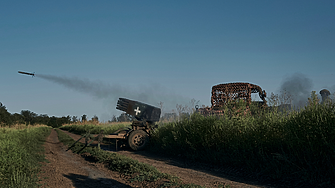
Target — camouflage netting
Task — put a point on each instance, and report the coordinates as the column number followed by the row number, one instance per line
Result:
column 223, row 93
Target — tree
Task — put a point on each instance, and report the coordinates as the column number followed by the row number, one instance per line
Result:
column 95, row 119
column 124, row 118
column 74, row 119
column 5, row 116
column 68, row 119
column 54, row 122
column 64, row 120
column 113, row 119
column 17, row 118
column 29, row 117
column 42, row 119
column 84, row 118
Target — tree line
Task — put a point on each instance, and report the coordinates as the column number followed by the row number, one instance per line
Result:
column 30, row 118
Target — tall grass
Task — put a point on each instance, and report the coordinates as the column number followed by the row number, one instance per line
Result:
column 23, row 126
column 94, row 129
column 20, row 154
column 279, row 145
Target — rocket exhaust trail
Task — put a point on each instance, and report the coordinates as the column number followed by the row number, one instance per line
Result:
column 149, row 93
column 27, row 73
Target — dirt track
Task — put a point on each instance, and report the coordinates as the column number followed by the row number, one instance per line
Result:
column 72, row 170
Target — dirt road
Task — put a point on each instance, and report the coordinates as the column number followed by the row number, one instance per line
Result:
column 66, row 169
column 72, row 170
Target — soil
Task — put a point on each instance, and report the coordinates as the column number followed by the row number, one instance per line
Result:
column 66, row 169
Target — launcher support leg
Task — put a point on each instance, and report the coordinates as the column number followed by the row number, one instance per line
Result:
column 87, row 138
column 75, row 142
column 100, row 138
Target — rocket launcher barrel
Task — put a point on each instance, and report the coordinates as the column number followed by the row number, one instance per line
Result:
column 140, row 110
column 27, row 73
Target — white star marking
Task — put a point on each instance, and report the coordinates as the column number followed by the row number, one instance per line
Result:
column 137, row 110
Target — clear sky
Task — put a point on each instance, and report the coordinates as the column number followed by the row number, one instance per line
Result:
column 90, row 53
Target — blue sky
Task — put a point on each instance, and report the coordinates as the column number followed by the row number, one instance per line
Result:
column 169, row 51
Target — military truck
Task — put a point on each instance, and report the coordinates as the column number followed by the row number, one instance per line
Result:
column 223, row 93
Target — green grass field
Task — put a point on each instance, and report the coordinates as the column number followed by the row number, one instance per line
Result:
column 21, row 152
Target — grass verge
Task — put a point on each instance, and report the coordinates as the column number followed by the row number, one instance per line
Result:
column 132, row 169
column 21, row 152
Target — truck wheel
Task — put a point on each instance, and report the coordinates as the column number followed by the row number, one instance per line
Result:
column 137, row 140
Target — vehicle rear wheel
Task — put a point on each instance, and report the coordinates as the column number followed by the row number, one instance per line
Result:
column 137, row 140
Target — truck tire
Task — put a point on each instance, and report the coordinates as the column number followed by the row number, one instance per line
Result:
column 137, row 140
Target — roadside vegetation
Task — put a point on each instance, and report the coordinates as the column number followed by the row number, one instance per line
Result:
column 21, row 151
column 291, row 146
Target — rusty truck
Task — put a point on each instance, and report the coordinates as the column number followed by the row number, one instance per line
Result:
column 222, row 94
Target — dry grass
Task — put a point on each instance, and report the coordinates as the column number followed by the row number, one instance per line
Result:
column 105, row 124
column 23, row 126
column 81, row 128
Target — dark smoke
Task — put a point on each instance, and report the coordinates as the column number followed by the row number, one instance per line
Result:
column 332, row 90
column 298, row 87
column 150, row 94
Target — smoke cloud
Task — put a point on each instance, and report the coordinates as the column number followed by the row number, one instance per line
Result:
column 332, row 92
column 150, row 94
column 298, row 87
column 332, row 89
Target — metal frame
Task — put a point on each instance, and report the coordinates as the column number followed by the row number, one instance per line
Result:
column 224, row 93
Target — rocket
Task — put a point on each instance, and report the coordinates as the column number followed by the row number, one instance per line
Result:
column 27, row 73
